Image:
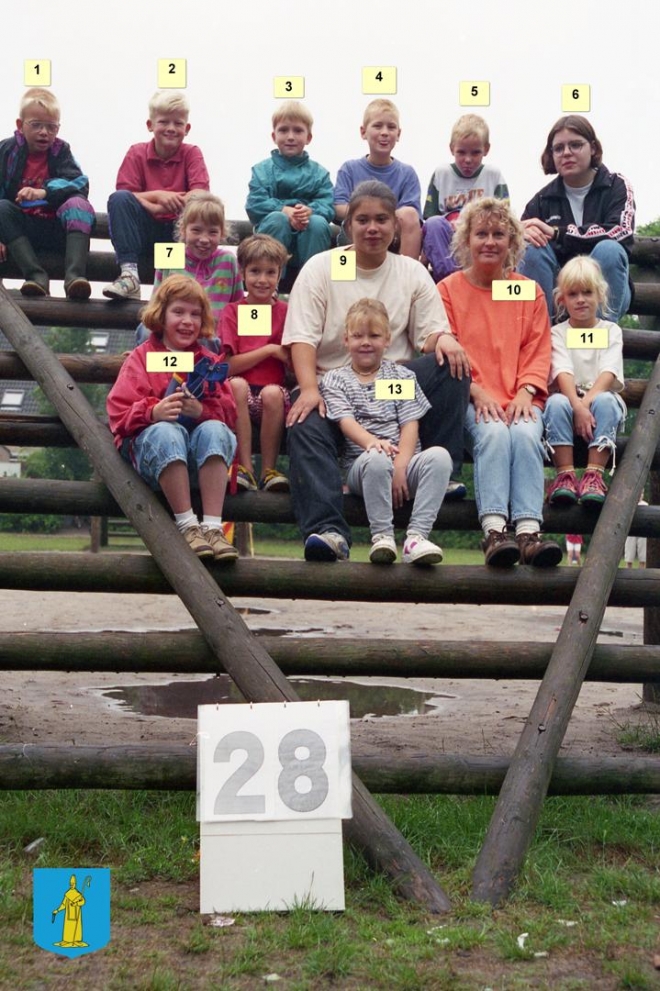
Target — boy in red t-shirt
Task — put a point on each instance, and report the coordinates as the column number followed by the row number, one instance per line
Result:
column 152, row 185
column 43, row 198
column 257, row 364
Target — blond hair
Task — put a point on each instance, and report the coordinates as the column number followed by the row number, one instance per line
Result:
column 172, row 288
column 489, row 210
column 201, row 206
column 469, row 126
column 371, row 310
column 168, row 101
column 43, row 98
column 581, row 272
column 379, row 106
column 293, row 110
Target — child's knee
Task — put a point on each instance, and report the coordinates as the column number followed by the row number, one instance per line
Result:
column 408, row 218
column 240, row 389
column 377, row 463
column 272, row 399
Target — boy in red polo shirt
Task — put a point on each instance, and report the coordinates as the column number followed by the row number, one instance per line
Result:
column 152, row 184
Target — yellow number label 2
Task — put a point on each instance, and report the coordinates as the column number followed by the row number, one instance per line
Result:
column 575, row 97
column 588, row 337
column 504, row 289
column 37, row 72
column 172, row 73
column 343, row 266
column 395, row 389
column 170, row 361
column 289, row 87
column 474, row 93
column 255, row 321
column 378, row 80
column 170, row 255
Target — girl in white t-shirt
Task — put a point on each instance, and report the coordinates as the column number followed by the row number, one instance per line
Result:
column 585, row 378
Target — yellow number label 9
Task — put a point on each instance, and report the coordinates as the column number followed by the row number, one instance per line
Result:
column 343, row 266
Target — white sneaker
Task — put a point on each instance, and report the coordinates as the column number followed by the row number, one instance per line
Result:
column 383, row 549
column 419, row 550
column 125, row 286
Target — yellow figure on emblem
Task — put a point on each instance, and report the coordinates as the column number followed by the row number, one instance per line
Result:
column 72, row 904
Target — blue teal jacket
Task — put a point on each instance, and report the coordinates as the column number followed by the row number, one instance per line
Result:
column 66, row 177
column 279, row 181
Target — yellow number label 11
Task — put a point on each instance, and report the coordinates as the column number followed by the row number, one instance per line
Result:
column 505, row 289
column 395, row 389
column 588, row 337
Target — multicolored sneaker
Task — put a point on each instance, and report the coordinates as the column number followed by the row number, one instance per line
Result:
column 245, row 479
column 383, row 549
column 274, row 481
column 222, row 549
column 197, row 541
column 419, row 550
column 125, row 286
column 592, row 489
column 328, row 546
column 563, row 490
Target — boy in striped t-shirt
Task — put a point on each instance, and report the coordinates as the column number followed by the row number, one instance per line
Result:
column 383, row 456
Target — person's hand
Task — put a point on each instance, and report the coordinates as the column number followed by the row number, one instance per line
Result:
column 308, row 400
column 399, row 485
column 584, row 422
column 485, row 407
column 448, row 349
column 171, row 202
column 386, row 446
column 169, row 408
column 191, row 407
column 28, row 194
column 537, row 232
column 521, row 406
column 301, row 215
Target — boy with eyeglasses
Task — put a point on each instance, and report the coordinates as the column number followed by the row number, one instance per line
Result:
column 152, row 186
column 43, row 199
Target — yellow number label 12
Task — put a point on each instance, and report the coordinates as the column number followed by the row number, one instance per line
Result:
column 395, row 389
column 588, row 337
column 507, row 290
column 170, row 361
column 255, row 321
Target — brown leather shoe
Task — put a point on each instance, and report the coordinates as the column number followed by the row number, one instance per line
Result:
column 538, row 552
column 500, row 549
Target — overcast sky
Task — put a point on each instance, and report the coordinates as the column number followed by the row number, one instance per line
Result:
column 105, row 59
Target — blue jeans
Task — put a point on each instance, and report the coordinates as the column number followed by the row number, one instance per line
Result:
column 133, row 231
column 541, row 265
column 163, row 443
column 301, row 245
column 315, row 444
column 608, row 410
column 508, row 466
column 427, row 476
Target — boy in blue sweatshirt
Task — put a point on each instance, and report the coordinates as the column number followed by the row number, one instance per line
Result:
column 290, row 196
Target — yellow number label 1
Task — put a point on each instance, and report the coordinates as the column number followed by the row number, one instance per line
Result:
column 172, row 73
column 289, row 87
column 588, row 337
column 503, row 289
column 37, row 72
column 395, row 389
column 255, row 321
column 575, row 97
column 474, row 93
column 170, row 255
column 378, row 80
column 343, row 266
column 170, row 361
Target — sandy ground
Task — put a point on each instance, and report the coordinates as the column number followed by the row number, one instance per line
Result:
column 476, row 717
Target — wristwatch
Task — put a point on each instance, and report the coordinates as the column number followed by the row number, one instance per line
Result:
column 530, row 389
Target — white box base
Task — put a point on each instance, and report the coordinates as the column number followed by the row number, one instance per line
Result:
column 271, row 866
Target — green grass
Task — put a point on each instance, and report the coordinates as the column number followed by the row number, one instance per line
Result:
column 587, row 854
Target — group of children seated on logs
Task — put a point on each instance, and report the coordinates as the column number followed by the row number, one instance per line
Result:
column 393, row 373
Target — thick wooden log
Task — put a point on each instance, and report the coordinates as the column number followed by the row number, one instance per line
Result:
column 81, row 367
column 256, row 675
column 521, row 798
column 33, row 495
column 173, row 768
column 79, row 572
column 651, row 691
column 97, row 314
column 186, row 652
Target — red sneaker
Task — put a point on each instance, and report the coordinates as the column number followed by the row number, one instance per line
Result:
column 592, row 489
column 563, row 491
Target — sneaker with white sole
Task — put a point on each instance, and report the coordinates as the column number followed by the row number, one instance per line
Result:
column 222, row 549
column 455, row 490
column 125, row 286
column 328, row 546
column 383, row 549
column 419, row 550
column 197, row 541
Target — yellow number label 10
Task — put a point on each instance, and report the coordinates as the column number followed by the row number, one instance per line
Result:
column 172, row 73
column 37, row 72
column 506, row 290
column 395, row 388
column 588, row 337
column 575, row 97
column 255, row 321
column 170, row 361
column 474, row 93
column 343, row 266
column 289, row 87
column 170, row 255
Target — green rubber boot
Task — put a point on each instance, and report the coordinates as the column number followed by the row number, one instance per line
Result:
column 36, row 278
column 76, row 285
